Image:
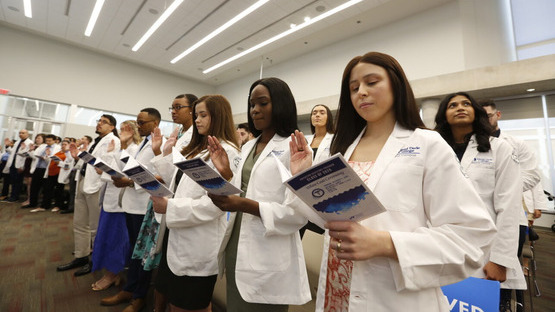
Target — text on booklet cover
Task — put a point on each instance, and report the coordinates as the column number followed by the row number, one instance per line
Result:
column 335, row 191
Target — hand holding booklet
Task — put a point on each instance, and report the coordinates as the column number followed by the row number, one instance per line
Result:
column 333, row 191
column 200, row 172
column 145, row 179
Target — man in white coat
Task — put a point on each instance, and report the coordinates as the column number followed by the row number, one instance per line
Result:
column 134, row 203
column 87, row 208
column 16, row 164
column 530, row 179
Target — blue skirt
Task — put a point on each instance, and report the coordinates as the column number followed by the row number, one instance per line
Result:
column 111, row 244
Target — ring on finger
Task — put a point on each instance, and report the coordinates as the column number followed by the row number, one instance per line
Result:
column 339, row 246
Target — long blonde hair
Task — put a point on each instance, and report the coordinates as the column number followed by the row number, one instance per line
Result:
column 133, row 124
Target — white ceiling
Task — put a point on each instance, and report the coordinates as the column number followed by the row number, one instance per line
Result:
column 123, row 22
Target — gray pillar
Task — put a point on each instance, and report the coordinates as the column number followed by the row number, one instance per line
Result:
column 429, row 110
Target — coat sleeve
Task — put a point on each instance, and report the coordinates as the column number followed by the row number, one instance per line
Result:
column 283, row 217
column 507, row 202
column 528, row 166
column 449, row 247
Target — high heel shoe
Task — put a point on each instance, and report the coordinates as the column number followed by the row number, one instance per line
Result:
column 104, row 284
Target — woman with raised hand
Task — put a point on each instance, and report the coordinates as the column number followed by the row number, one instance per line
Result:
column 264, row 260
column 192, row 248
column 111, row 244
column 493, row 169
column 434, row 224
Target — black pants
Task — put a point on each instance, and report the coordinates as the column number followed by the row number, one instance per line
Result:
column 52, row 189
column 36, row 185
column 138, row 280
column 5, row 184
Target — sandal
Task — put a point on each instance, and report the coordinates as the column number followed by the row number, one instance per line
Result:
column 104, row 283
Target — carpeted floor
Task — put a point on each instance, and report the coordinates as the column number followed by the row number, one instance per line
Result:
column 33, row 244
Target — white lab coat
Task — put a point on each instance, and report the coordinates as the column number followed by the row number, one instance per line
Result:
column 197, row 226
column 323, row 151
column 65, row 168
column 19, row 160
column 529, row 171
column 40, row 152
column 135, row 199
column 166, row 169
column 92, row 182
column 109, row 193
column 270, row 265
column 535, row 199
column 495, row 174
column 436, row 219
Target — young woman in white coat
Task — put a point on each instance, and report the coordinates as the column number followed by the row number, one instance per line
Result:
column 322, row 128
column 196, row 226
column 493, row 168
column 434, row 224
column 111, row 245
column 264, row 261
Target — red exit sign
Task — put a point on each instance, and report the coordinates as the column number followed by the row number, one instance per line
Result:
column 4, row 91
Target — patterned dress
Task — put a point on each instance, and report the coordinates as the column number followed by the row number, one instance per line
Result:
column 339, row 272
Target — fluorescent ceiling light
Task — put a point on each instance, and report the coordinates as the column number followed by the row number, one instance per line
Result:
column 94, row 16
column 157, row 24
column 216, row 32
column 285, row 33
column 27, row 8
column 531, row 90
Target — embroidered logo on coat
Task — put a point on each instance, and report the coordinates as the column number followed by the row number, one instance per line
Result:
column 410, row 151
column 482, row 161
column 277, row 153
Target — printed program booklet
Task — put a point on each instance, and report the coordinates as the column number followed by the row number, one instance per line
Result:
column 334, row 192
column 87, row 157
column 200, row 172
column 104, row 166
column 145, row 179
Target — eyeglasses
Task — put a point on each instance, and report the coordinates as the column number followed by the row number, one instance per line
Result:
column 177, row 107
column 103, row 121
column 140, row 122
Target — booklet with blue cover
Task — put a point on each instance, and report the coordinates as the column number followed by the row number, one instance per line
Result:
column 87, row 157
column 200, row 172
column 145, row 179
column 334, row 192
column 105, row 167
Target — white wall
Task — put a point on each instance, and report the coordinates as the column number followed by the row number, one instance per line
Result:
column 427, row 44
column 37, row 67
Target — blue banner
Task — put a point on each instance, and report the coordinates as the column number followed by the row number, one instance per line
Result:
column 473, row 295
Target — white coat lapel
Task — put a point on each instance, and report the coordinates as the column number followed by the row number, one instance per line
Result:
column 470, row 153
column 266, row 151
column 391, row 148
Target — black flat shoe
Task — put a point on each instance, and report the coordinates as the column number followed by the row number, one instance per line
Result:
column 66, row 211
column 86, row 269
column 75, row 263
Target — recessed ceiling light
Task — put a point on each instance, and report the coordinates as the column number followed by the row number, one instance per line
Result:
column 531, row 90
column 157, row 24
column 13, row 8
column 27, row 8
column 94, row 16
column 316, row 19
column 320, row 8
column 307, row 18
column 220, row 29
column 292, row 25
column 153, row 11
column 127, row 45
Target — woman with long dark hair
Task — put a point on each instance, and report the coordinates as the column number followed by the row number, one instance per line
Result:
column 264, row 260
column 494, row 171
column 196, row 227
column 434, row 224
